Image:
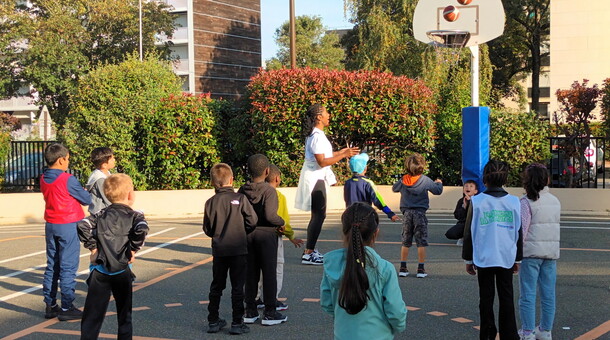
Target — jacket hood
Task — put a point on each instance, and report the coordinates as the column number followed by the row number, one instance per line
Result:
column 95, row 176
column 253, row 191
column 410, row 180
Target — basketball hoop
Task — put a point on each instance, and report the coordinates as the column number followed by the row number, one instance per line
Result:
column 448, row 44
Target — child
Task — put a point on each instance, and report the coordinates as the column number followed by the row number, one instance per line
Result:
column 359, row 288
column 228, row 218
column 414, row 203
column 274, row 179
column 113, row 236
column 103, row 160
column 361, row 189
column 63, row 197
column 493, row 247
column 262, row 243
column 540, row 215
column 461, row 208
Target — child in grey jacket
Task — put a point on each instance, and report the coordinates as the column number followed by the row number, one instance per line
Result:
column 414, row 202
column 103, row 160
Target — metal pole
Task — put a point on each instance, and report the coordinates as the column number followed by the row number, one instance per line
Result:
column 474, row 72
column 293, row 39
column 140, row 10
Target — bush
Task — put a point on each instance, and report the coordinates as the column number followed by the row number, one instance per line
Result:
column 389, row 117
column 180, row 148
column 605, row 107
column 111, row 108
column 519, row 139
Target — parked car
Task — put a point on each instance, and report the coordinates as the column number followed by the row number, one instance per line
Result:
column 24, row 170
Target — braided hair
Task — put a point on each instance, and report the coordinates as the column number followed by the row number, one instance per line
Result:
column 311, row 118
column 360, row 222
column 534, row 178
column 495, row 173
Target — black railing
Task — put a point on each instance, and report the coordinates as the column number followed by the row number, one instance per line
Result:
column 24, row 166
column 577, row 162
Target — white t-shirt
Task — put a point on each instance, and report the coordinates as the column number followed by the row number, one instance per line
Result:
column 316, row 144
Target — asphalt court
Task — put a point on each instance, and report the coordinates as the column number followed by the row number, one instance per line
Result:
column 174, row 273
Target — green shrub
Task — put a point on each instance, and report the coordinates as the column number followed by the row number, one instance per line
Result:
column 112, row 107
column 518, row 138
column 389, row 117
column 180, row 148
column 605, row 108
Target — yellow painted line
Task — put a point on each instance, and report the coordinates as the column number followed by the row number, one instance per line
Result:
column 21, row 238
column 436, row 313
column 204, row 302
column 282, row 299
column 461, row 320
column 141, row 308
column 596, row 332
column 173, row 304
column 413, row 308
column 311, row 300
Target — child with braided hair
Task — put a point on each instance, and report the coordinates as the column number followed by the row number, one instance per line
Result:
column 359, row 288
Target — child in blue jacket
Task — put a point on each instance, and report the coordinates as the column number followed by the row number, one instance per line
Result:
column 359, row 288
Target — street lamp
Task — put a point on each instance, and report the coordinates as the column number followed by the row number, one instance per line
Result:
column 293, row 55
column 140, row 13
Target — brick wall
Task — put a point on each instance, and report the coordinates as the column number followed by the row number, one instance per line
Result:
column 227, row 45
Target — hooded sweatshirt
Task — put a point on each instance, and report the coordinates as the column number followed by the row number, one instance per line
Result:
column 95, row 186
column 384, row 315
column 414, row 192
column 264, row 200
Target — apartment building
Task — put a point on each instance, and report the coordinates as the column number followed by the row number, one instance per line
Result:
column 217, row 44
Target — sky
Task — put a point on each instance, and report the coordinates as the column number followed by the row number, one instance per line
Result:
column 275, row 12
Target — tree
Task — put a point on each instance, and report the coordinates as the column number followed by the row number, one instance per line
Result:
column 66, row 39
column 522, row 47
column 314, row 47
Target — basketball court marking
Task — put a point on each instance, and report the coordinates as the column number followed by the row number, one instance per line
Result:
column 596, row 332
column 21, row 237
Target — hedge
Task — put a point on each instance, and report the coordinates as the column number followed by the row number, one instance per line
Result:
column 387, row 116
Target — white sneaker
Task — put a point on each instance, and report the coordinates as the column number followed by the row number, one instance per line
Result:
column 403, row 272
column 530, row 336
column 542, row 335
column 318, row 254
column 460, row 242
column 311, row 259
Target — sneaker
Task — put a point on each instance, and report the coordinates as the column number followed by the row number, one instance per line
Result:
column 273, row 319
column 71, row 314
column 311, row 259
column 522, row 336
column 239, row 328
column 542, row 335
column 51, row 312
column 460, row 242
column 279, row 305
column 318, row 254
column 260, row 304
column 421, row 273
column 251, row 316
column 215, row 327
column 403, row 272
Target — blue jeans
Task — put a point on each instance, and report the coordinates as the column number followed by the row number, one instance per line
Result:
column 62, row 263
column 542, row 274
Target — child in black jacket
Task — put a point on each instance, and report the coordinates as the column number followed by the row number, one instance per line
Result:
column 228, row 218
column 113, row 236
column 461, row 208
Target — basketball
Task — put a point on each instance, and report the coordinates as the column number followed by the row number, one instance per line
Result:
column 451, row 13
column 464, row 2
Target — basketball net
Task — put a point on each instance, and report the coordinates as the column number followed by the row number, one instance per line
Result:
column 448, row 45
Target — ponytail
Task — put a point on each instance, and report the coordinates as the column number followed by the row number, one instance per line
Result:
column 360, row 221
column 310, row 119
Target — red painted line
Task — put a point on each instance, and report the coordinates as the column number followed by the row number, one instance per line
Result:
column 20, row 238
column 311, row 300
column 436, row 313
column 204, row 302
column 140, row 308
column 461, row 320
column 413, row 308
column 596, row 332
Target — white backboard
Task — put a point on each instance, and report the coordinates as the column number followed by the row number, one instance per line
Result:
column 484, row 19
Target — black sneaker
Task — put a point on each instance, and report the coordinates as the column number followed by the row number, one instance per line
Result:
column 279, row 305
column 71, row 314
column 251, row 316
column 421, row 273
column 403, row 272
column 239, row 328
column 51, row 311
column 273, row 319
column 215, row 327
column 260, row 304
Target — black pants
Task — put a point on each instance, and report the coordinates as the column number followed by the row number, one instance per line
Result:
column 489, row 279
column 235, row 266
column 318, row 214
column 98, row 297
column 262, row 256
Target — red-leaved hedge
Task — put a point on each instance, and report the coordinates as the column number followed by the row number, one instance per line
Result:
column 387, row 116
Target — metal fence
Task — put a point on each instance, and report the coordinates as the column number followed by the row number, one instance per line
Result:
column 24, row 166
column 577, row 162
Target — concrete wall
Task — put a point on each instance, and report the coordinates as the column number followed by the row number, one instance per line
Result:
column 29, row 207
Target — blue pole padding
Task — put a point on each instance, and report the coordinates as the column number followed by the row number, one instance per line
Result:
column 475, row 143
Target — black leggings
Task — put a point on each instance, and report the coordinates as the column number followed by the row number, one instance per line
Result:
column 318, row 214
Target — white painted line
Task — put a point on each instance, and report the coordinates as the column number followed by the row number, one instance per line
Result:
column 23, row 256
column 86, row 271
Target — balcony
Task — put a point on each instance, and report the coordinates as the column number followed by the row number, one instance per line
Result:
column 179, row 5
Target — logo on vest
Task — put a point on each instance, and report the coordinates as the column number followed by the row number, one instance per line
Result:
column 497, row 216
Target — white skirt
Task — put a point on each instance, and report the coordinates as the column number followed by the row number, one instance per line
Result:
column 311, row 173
